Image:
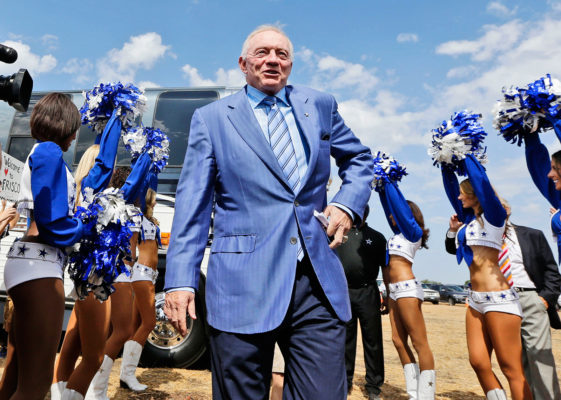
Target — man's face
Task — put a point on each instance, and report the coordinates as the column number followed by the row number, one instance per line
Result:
column 268, row 62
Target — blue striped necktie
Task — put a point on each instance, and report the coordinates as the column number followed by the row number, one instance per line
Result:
column 281, row 143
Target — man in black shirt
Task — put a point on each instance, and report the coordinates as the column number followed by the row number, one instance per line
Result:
column 362, row 256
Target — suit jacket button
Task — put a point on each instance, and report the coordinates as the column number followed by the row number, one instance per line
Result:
column 296, row 203
column 293, row 240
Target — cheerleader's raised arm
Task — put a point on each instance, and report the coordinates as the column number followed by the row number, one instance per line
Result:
column 394, row 204
column 135, row 185
column 52, row 206
column 99, row 176
column 493, row 210
column 539, row 164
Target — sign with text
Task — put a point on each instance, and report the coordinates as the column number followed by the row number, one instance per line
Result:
column 11, row 175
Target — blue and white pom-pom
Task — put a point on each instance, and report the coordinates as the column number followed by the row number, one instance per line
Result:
column 150, row 140
column 512, row 119
column 386, row 170
column 128, row 101
column 452, row 141
column 528, row 110
column 543, row 97
column 97, row 259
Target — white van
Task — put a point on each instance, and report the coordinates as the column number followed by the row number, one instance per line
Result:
column 171, row 111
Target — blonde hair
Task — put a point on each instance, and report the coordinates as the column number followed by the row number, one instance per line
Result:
column 84, row 166
column 266, row 28
column 466, row 188
column 150, row 199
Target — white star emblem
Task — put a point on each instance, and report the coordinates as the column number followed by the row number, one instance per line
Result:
column 368, row 242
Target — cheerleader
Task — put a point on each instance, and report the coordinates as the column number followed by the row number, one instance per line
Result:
column 33, row 271
column 405, row 292
column 519, row 117
column 144, row 274
column 121, row 300
column 89, row 323
column 494, row 315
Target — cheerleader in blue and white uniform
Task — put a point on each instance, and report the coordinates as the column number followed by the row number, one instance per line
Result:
column 144, row 274
column 34, row 269
column 132, row 183
column 520, row 116
column 405, row 292
column 89, row 323
column 546, row 174
column 494, row 315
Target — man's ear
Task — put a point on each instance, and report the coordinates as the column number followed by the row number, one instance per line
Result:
column 241, row 63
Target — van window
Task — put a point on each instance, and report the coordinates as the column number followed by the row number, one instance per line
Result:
column 6, row 117
column 172, row 115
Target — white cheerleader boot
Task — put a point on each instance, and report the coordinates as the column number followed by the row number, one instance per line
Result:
column 70, row 394
column 100, row 382
column 57, row 389
column 427, row 385
column 496, row 394
column 411, row 372
column 131, row 355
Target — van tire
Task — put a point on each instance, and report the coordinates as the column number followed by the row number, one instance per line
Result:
column 158, row 352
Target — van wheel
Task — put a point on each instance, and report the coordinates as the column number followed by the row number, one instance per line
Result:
column 435, row 302
column 451, row 301
column 165, row 347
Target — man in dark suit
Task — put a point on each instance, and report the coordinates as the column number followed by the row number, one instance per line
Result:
column 362, row 256
column 536, row 278
column 264, row 155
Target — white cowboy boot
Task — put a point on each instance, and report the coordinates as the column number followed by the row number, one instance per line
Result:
column 427, row 385
column 57, row 389
column 100, row 382
column 496, row 394
column 70, row 394
column 411, row 372
column 131, row 355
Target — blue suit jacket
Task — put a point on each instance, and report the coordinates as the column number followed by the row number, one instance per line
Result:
column 257, row 216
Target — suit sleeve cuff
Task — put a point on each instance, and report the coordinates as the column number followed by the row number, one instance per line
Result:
column 351, row 214
column 186, row 288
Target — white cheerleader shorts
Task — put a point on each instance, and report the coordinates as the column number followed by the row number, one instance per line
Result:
column 28, row 261
column 124, row 278
column 408, row 288
column 505, row 301
column 142, row 272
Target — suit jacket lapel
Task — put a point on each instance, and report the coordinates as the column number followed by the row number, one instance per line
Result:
column 243, row 119
column 304, row 115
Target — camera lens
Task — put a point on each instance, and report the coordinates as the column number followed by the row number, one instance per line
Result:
column 16, row 89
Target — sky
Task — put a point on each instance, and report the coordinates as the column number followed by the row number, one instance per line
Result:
column 397, row 70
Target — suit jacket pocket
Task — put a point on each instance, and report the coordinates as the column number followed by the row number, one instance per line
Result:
column 233, row 244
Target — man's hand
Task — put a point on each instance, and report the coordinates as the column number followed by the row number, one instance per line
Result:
column 177, row 305
column 455, row 223
column 544, row 301
column 339, row 224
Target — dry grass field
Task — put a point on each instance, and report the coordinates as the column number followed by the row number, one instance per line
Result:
column 445, row 325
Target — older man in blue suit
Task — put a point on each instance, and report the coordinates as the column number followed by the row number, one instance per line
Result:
column 263, row 154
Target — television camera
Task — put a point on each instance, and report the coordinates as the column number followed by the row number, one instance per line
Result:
column 15, row 89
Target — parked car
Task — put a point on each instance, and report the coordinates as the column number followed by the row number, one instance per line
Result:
column 452, row 294
column 430, row 294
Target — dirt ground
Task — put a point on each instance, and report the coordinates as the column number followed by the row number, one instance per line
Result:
column 446, row 331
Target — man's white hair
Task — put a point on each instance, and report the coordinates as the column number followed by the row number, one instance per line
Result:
column 266, row 28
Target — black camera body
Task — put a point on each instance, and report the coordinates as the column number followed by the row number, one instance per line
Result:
column 15, row 89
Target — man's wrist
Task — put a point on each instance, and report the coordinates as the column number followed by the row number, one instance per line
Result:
column 450, row 234
column 184, row 288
